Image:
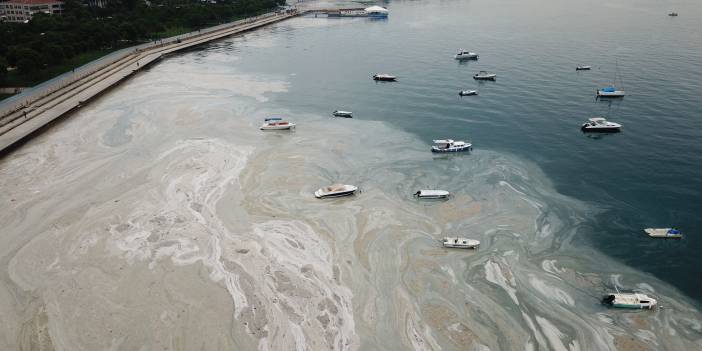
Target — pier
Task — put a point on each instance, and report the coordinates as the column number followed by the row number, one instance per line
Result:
column 22, row 115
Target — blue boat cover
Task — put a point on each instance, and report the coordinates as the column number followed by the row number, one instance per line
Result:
column 673, row 231
column 608, row 89
column 273, row 119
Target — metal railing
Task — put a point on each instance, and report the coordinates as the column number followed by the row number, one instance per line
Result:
column 30, row 95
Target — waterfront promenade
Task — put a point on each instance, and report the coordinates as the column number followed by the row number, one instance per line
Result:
column 27, row 114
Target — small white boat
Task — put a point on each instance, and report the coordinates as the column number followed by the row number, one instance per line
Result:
column 465, row 55
column 484, row 75
column 335, row 190
column 339, row 113
column 384, row 77
column 432, row 194
column 276, row 123
column 610, row 91
column 663, row 233
column 629, row 300
column 376, row 12
column 467, row 92
column 460, row 243
column 449, row 145
column 583, row 68
column 599, row 124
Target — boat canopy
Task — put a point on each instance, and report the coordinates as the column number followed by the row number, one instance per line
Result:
column 273, row 119
column 448, row 141
column 376, row 9
column 597, row 119
column 673, row 231
column 609, row 89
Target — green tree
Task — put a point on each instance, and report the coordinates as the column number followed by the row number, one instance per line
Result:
column 28, row 61
column 3, row 69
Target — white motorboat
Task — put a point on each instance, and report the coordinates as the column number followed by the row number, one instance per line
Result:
column 467, row 92
column 629, row 300
column 339, row 113
column 484, row 75
column 610, row 91
column 276, row 123
column 461, row 243
column 376, row 12
column 432, row 194
column 449, row 145
column 583, row 68
column 335, row 190
column 599, row 124
column 384, row 77
column 663, row 233
column 465, row 55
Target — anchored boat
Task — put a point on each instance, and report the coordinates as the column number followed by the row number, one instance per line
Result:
column 432, row 194
column 610, row 91
column 663, row 233
column 335, row 190
column 376, row 12
column 460, row 243
column 467, row 92
column 599, row 124
column 465, row 55
column 384, row 77
column 449, row 145
column 276, row 123
column 583, row 68
column 673, row 14
column 484, row 75
column 629, row 300
column 345, row 114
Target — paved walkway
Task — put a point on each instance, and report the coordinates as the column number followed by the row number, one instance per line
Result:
column 21, row 123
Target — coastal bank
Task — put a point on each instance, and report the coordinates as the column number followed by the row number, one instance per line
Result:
column 26, row 113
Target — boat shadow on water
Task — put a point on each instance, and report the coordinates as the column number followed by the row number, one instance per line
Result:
column 446, row 156
column 600, row 135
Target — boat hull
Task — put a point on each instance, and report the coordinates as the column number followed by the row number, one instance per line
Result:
column 468, row 93
column 432, row 197
column 600, row 130
column 460, row 243
column 662, row 233
column 453, row 149
column 632, row 307
column 384, row 79
column 432, row 194
column 614, row 94
column 465, row 57
column 288, row 127
column 485, row 77
column 320, row 195
column 343, row 114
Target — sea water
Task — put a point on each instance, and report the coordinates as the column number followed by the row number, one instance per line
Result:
column 160, row 216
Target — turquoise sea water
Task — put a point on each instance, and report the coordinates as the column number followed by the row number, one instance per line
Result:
column 650, row 175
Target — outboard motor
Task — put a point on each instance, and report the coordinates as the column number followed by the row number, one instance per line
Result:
column 608, row 299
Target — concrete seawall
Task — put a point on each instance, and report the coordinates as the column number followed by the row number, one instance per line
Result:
column 22, row 122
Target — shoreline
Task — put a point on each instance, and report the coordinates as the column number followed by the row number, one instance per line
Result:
column 33, row 116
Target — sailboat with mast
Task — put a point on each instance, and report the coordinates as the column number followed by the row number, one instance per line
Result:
column 611, row 91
